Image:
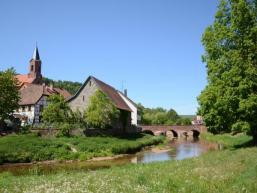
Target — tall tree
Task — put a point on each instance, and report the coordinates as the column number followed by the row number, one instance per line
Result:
column 101, row 112
column 9, row 96
column 229, row 101
column 57, row 110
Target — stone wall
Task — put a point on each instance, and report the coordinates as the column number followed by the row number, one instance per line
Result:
column 81, row 101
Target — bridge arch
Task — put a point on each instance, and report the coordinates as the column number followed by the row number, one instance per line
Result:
column 196, row 133
column 175, row 133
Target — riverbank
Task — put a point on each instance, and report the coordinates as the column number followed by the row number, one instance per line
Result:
column 229, row 170
column 32, row 148
column 228, row 140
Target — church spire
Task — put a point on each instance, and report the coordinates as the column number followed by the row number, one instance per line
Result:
column 35, row 55
column 35, row 67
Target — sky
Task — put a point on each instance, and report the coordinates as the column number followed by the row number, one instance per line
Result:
column 150, row 47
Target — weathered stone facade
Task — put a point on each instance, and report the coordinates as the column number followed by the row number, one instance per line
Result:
column 81, row 101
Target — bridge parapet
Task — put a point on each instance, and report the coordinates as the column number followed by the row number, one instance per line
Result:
column 180, row 130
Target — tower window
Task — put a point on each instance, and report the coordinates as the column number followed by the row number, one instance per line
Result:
column 31, row 68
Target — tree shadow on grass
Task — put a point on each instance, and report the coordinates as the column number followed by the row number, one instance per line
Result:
column 250, row 143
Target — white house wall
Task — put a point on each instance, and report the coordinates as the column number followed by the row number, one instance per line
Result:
column 134, row 116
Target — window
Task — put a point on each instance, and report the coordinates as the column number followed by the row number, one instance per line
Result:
column 83, row 98
column 23, row 109
column 31, row 68
column 90, row 83
column 29, row 108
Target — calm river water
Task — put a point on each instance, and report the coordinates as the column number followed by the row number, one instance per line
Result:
column 176, row 150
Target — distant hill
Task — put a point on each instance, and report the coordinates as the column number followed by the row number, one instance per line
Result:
column 187, row 116
column 70, row 86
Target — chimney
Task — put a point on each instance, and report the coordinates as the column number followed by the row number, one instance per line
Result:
column 125, row 92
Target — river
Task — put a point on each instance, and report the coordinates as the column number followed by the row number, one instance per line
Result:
column 175, row 150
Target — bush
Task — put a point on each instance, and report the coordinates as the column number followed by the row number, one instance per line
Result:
column 241, row 126
column 64, row 130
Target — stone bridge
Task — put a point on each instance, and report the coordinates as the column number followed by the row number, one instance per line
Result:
column 172, row 131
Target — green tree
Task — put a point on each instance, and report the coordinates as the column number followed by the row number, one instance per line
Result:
column 70, row 86
column 101, row 112
column 229, row 101
column 9, row 97
column 57, row 110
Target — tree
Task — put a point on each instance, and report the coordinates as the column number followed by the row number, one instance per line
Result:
column 229, row 101
column 160, row 116
column 9, row 97
column 70, row 86
column 101, row 112
column 57, row 110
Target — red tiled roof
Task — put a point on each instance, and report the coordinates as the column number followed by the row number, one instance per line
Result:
column 112, row 93
column 33, row 92
column 63, row 92
column 24, row 78
column 127, row 98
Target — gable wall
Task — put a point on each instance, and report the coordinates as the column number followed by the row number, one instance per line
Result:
column 87, row 92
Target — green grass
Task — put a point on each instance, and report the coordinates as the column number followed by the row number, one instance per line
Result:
column 231, row 170
column 28, row 148
column 227, row 140
column 219, row 171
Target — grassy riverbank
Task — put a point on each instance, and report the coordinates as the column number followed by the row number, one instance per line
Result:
column 229, row 141
column 28, row 148
column 230, row 170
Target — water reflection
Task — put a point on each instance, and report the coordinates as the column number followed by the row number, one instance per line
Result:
column 179, row 149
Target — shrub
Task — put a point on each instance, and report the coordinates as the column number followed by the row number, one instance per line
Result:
column 64, row 130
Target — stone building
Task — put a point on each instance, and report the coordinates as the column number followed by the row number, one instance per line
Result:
column 80, row 101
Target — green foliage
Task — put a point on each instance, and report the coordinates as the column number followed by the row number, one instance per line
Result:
column 64, row 129
column 228, row 140
column 9, row 93
column 240, row 126
column 160, row 116
column 28, row 148
column 70, row 86
column 101, row 112
column 57, row 110
column 223, row 171
column 229, row 101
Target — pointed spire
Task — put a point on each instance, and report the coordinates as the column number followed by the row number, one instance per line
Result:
column 35, row 54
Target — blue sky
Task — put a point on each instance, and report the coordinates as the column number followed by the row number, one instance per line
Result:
column 151, row 47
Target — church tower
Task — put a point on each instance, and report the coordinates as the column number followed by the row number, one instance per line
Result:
column 35, row 67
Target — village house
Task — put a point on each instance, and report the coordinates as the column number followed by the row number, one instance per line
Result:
column 34, row 93
column 198, row 120
column 135, row 116
column 128, row 111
